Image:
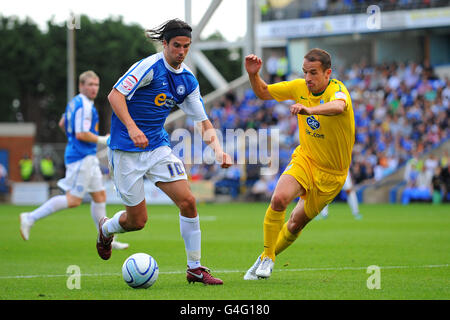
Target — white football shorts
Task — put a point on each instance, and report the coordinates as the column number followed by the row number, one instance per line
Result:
column 348, row 182
column 128, row 170
column 82, row 176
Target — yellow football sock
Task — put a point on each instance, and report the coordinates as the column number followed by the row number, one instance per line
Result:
column 285, row 239
column 273, row 221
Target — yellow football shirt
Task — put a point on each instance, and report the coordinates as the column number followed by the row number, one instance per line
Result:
column 326, row 140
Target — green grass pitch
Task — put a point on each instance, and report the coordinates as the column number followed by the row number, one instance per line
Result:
column 410, row 244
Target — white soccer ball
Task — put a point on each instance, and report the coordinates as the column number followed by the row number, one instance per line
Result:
column 140, row 270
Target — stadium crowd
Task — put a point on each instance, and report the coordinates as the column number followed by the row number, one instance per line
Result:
column 401, row 111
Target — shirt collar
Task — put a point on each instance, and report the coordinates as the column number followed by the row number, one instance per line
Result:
column 320, row 93
column 170, row 68
column 85, row 97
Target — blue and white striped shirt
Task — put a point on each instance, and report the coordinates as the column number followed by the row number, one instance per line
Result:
column 152, row 88
column 80, row 116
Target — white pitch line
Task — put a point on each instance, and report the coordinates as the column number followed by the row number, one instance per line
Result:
column 227, row 271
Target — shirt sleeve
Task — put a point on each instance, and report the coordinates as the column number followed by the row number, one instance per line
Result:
column 83, row 119
column 193, row 106
column 282, row 90
column 339, row 94
column 140, row 74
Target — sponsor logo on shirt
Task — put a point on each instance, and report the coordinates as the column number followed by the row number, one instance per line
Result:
column 315, row 135
column 162, row 100
column 170, row 103
column 313, row 123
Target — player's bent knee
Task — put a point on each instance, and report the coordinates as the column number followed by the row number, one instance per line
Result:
column 73, row 202
column 279, row 202
column 187, row 205
column 99, row 197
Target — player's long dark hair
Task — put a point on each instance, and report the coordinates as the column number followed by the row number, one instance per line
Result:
column 161, row 33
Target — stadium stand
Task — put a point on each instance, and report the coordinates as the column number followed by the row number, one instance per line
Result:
column 401, row 112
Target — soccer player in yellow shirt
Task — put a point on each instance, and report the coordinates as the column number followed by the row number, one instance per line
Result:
column 319, row 165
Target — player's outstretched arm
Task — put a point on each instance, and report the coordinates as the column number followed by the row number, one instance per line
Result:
column 120, row 108
column 253, row 64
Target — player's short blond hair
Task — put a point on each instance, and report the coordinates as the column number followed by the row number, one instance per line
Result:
column 87, row 75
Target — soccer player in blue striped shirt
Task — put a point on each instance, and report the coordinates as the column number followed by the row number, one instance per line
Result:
column 83, row 175
column 140, row 147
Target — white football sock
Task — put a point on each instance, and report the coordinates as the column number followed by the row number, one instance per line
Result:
column 98, row 211
column 324, row 211
column 112, row 225
column 51, row 205
column 352, row 201
column 190, row 231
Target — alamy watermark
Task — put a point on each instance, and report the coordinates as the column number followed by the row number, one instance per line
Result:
column 248, row 146
column 74, row 277
column 374, row 280
column 373, row 21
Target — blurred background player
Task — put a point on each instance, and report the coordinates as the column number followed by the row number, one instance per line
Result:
column 352, row 199
column 140, row 147
column 319, row 165
column 80, row 124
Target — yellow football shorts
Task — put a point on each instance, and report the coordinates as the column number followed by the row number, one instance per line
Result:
column 321, row 186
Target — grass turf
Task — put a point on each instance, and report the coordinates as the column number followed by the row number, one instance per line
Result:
column 411, row 245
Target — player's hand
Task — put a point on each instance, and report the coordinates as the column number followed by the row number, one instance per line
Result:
column 138, row 137
column 224, row 159
column 252, row 64
column 298, row 108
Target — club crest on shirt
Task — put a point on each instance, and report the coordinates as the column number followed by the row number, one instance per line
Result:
column 313, row 123
column 181, row 90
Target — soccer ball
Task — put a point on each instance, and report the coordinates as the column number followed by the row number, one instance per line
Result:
column 140, row 270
